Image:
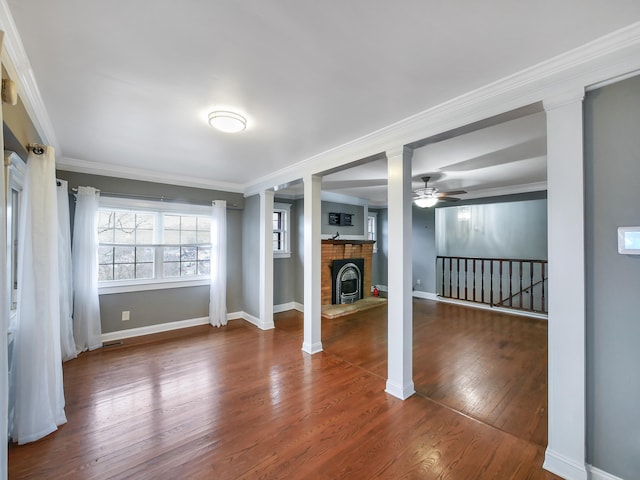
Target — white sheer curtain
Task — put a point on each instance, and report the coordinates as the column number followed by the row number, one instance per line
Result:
column 218, row 288
column 87, row 330
column 67, row 344
column 4, row 326
column 36, row 374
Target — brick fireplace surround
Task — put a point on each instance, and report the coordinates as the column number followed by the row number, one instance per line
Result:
column 339, row 250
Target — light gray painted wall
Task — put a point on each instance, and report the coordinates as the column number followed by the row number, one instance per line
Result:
column 515, row 229
column 375, row 262
column 153, row 307
column 424, row 236
column 357, row 220
column 424, row 249
column 612, row 187
column 168, row 305
column 383, row 248
column 297, row 212
column 251, row 256
column 284, row 269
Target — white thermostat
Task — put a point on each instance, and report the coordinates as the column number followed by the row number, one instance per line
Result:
column 629, row 240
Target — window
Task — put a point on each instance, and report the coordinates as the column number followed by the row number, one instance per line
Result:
column 281, row 241
column 14, row 173
column 372, row 229
column 141, row 246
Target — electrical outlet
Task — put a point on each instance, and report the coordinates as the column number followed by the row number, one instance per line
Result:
column 125, row 315
column 418, row 282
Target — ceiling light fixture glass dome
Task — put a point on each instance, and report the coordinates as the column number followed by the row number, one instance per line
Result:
column 227, row 122
column 426, row 202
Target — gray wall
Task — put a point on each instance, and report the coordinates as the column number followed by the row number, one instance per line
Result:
column 251, row 255
column 516, row 229
column 297, row 213
column 375, row 261
column 612, row 187
column 357, row 220
column 383, row 248
column 168, row 305
column 284, row 269
column 424, row 249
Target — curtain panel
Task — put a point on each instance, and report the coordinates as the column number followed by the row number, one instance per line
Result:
column 36, row 373
column 67, row 343
column 87, row 330
column 218, row 285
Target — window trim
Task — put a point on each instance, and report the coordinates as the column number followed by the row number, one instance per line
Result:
column 285, row 208
column 159, row 208
column 14, row 171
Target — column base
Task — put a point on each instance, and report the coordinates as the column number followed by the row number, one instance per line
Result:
column 400, row 391
column 312, row 348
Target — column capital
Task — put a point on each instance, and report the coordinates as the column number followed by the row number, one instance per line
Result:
column 399, row 151
column 562, row 98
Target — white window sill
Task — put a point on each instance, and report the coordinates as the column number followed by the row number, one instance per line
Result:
column 281, row 254
column 155, row 285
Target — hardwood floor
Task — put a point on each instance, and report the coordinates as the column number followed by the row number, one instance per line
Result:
column 240, row 403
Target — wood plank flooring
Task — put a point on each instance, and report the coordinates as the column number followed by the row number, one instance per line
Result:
column 240, row 403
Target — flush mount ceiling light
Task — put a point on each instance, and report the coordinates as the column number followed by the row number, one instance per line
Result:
column 227, row 122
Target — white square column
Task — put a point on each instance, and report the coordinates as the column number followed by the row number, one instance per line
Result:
column 266, row 260
column 565, row 454
column 312, row 342
column 400, row 306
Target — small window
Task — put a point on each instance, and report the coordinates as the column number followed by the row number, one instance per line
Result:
column 281, row 221
column 372, row 229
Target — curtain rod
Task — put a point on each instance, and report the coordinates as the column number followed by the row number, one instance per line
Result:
column 151, row 197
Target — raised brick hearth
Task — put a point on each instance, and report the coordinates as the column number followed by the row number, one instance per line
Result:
column 339, row 250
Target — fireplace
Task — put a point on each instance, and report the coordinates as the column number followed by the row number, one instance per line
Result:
column 347, row 275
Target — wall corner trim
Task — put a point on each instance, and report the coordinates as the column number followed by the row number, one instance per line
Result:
column 257, row 322
column 284, row 307
column 563, row 466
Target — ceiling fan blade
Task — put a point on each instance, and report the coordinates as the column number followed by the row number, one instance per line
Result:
column 448, row 199
column 454, row 192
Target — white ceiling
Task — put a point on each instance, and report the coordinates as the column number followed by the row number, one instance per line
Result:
column 127, row 84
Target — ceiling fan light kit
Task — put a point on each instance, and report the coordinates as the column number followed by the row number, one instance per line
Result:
column 227, row 122
column 426, row 196
column 426, row 202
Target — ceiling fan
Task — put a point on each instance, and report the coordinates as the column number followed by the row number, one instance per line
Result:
column 429, row 196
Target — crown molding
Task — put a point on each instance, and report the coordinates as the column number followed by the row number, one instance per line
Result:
column 510, row 190
column 607, row 57
column 95, row 168
column 16, row 61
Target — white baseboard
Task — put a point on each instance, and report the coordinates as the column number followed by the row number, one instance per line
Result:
column 565, row 467
column 151, row 329
column 597, row 474
column 483, row 306
column 283, row 307
column 425, row 295
column 167, row 327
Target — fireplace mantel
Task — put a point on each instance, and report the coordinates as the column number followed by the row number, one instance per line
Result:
column 348, row 242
